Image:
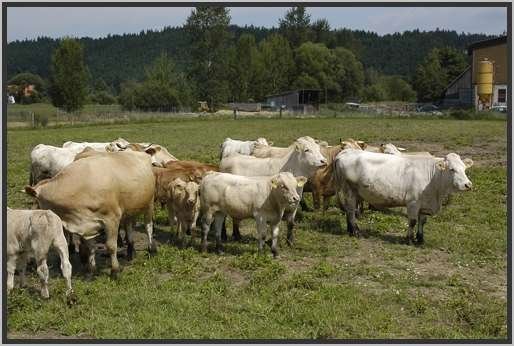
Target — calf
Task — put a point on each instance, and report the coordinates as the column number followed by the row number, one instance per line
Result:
column 31, row 233
column 419, row 183
column 231, row 146
column 185, row 205
column 184, row 170
column 263, row 198
column 303, row 159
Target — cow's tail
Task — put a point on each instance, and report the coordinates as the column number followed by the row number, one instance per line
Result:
column 338, row 181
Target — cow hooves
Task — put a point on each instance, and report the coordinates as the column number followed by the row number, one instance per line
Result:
column 71, row 299
column 115, row 275
column 152, row 249
column 131, row 254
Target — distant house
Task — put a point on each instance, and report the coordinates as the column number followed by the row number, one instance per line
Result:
column 302, row 100
column 463, row 90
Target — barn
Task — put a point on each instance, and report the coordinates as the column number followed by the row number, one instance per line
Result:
column 463, row 91
column 302, row 100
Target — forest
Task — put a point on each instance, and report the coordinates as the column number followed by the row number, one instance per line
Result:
column 250, row 62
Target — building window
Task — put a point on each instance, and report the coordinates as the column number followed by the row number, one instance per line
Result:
column 502, row 95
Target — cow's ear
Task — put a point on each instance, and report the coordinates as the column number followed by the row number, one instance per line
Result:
column 298, row 147
column 468, row 162
column 270, row 143
column 150, row 151
column 274, row 182
column 301, row 181
column 401, row 149
column 362, row 144
column 442, row 165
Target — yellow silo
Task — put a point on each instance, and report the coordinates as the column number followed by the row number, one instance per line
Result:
column 485, row 81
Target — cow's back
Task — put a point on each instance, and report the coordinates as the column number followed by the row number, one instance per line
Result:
column 103, row 184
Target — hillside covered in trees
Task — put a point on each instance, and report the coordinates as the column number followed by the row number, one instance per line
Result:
column 208, row 59
column 117, row 58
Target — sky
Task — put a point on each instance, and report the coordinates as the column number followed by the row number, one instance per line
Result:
column 31, row 22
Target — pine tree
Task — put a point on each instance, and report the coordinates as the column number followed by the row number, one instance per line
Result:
column 68, row 84
column 207, row 28
column 295, row 26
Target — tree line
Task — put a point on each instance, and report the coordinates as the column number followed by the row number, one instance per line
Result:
column 210, row 60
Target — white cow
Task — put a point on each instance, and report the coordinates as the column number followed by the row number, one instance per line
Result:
column 107, row 146
column 47, row 161
column 303, row 159
column 231, row 146
column 419, row 183
column 31, row 233
column 392, row 149
column 262, row 198
column 160, row 155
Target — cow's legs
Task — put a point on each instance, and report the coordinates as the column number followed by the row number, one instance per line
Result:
column 22, row 265
column 261, row 231
column 148, row 219
column 129, row 232
column 218, row 224
column 87, row 254
column 326, row 202
column 236, row 235
column 171, row 215
column 224, row 231
column 42, row 272
column 274, row 232
column 75, row 238
column 11, row 267
column 111, row 230
column 316, row 197
column 412, row 214
column 60, row 246
column 206, row 225
column 350, row 206
column 422, row 219
column 290, row 226
column 304, row 205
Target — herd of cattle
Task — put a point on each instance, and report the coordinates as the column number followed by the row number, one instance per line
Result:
column 84, row 189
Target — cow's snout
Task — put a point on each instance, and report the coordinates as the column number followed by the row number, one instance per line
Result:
column 323, row 162
column 468, row 186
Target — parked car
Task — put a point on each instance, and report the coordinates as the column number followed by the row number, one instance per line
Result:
column 499, row 108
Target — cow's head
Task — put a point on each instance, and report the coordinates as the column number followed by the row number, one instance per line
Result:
column 391, row 149
column 286, row 185
column 187, row 192
column 456, row 168
column 263, row 141
column 310, row 152
column 152, row 151
column 117, row 145
column 351, row 143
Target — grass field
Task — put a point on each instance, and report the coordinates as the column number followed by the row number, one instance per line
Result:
column 329, row 285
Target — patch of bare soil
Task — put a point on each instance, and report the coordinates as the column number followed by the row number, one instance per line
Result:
column 484, row 152
column 426, row 267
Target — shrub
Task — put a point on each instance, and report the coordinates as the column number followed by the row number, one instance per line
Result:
column 102, row 98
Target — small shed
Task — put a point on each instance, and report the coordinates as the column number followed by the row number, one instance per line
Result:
column 302, row 100
column 459, row 93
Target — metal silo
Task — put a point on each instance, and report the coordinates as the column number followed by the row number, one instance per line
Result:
column 485, row 82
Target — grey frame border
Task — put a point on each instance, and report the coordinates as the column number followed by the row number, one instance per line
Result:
column 506, row 5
